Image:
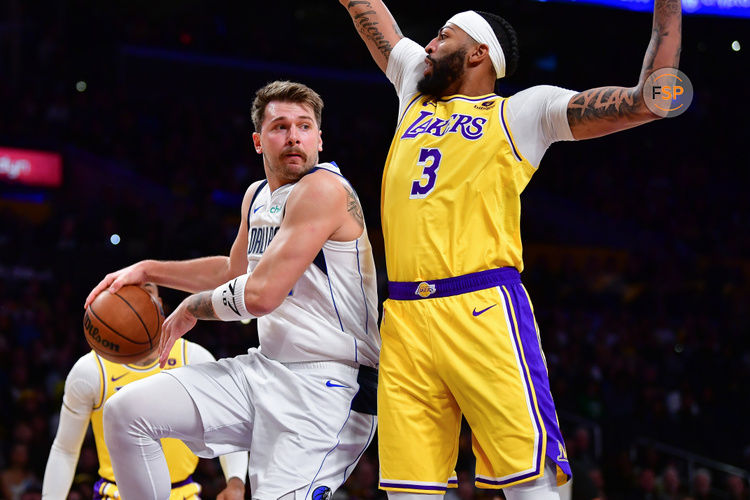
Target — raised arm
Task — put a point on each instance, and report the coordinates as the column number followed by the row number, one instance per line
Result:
column 376, row 26
column 604, row 110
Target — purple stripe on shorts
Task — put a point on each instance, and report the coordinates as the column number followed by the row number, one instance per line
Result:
column 413, row 486
column 432, row 289
column 514, row 479
column 539, row 376
column 522, row 317
column 97, row 487
column 180, row 484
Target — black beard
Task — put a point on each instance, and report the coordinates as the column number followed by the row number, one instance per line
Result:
column 445, row 72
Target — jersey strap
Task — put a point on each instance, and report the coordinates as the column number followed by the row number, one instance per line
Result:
column 252, row 200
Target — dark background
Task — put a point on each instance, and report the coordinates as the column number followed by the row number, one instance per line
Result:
column 636, row 245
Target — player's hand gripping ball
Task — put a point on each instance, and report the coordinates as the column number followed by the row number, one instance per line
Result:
column 123, row 327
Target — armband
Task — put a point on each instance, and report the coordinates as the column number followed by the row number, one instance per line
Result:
column 229, row 300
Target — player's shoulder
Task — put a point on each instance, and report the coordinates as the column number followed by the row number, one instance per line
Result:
column 319, row 193
column 85, row 369
column 252, row 188
column 538, row 93
column 250, row 192
column 324, row 179
column 85, row 363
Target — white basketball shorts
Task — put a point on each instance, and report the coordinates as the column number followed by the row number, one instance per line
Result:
column 296, row 419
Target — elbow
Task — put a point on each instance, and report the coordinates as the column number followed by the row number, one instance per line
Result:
column 260, row 304
column 645, row 115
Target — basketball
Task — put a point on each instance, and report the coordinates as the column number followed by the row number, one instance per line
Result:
column 125, row 326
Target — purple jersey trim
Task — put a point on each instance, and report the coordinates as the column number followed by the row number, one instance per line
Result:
column 408, row 486
column 470, row 99
column 507, row 131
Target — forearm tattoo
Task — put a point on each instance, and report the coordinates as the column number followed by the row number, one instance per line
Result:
column 354, row 208
column 620, row 102
column 200, row 306
column 603, row 102
column 368, row 28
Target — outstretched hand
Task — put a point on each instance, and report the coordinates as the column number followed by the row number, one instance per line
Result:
column 175, row 326
column 132, row 275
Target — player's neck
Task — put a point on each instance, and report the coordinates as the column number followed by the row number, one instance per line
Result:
column 476, row 88
column 147, row 361
column 472, row 84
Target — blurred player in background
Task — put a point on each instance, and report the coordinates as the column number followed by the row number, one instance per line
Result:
column 304, row 403
column 459, row 334
column 90, row 383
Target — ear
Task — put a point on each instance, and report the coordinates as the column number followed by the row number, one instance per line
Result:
column 478, row 53
column 256, row 143
column 320, row 140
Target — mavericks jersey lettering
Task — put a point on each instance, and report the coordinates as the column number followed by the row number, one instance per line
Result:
column 113, row 376
column 451, row 187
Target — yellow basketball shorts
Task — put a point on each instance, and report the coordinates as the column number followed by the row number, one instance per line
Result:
column 466, row 345
column 183, row 490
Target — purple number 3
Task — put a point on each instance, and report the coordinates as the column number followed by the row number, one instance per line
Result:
column 429, row 172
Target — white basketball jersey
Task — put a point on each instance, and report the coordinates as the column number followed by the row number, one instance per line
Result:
column 331, row 313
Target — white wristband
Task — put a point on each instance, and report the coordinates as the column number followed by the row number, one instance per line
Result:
column 229, row 300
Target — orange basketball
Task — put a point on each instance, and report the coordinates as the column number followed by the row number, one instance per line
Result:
column 125, row 326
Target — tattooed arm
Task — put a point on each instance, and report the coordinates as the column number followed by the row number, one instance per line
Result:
column 604, row 110
column 376, row 26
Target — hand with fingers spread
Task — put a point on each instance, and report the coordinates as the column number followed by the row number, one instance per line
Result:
column 134, row 274
column 175, row 326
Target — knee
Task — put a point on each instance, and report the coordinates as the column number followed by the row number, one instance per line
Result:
column 120, row 415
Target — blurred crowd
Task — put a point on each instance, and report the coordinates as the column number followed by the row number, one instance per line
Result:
column 637, row 245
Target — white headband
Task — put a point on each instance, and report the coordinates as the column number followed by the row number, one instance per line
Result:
column 480, row 30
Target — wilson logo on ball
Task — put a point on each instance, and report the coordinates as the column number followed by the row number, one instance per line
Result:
column 124, row 326
column 93, row 332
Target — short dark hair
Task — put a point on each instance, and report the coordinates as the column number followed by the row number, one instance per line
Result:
column 506, row 35
column 285, row 91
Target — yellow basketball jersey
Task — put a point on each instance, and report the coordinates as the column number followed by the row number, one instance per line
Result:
column 451, row 190
column 113, row 376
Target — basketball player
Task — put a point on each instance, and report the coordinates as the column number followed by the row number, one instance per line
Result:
column 90, row 383
column 459, row 334
column 302, row 404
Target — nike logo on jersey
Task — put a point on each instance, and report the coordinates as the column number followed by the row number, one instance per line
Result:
column 331, row 384
column 115, row 379
column 258, row 208
column 477, row 313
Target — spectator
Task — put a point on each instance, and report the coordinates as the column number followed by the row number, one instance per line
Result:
column 17, row 477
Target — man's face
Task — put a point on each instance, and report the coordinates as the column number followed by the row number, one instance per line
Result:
column 445, row 62
column 289, row 140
